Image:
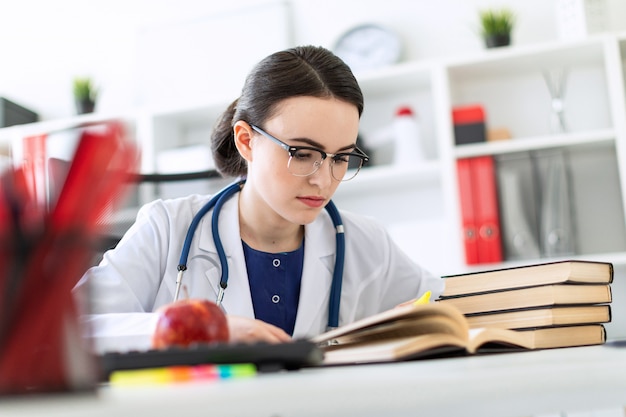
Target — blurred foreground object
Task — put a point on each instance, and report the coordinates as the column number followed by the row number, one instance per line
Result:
column 45, row 247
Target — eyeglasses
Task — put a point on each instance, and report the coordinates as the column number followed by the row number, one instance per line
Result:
column 306, row 160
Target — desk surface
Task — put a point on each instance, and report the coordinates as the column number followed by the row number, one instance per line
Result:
column 511, row 384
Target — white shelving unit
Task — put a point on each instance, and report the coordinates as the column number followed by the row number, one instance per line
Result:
column 509, row 83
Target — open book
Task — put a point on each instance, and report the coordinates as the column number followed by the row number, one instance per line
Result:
column 435, row 329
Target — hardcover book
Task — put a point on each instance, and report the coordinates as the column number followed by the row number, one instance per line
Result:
column 561, row 272
column 541, row 296
column 542, row 317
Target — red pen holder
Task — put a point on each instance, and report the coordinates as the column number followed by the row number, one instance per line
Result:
column 44, row 252
column 42, row 347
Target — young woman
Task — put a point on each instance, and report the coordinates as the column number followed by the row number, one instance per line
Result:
column 291, row 135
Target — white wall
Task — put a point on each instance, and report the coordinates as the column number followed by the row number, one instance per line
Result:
column 44, row 44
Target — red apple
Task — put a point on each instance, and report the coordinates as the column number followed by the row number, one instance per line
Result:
column 184, row 322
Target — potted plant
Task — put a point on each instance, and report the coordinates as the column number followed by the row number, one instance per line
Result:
column 496, row 26
column 85, row 95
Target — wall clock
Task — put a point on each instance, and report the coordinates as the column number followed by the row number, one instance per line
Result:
column 369, row 46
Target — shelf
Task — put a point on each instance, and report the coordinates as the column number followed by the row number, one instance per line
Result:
column 192, row 115
column 594, row 138
column 8, row 134
column 516, row 60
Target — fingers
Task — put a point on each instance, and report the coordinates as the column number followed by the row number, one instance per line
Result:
column 406, row 303
column 247, row 330
column 275, row 333
column 424, row 299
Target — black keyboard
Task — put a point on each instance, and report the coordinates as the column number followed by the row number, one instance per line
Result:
column 265, row 356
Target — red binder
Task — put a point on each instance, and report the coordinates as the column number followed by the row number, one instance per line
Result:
column 468, row 217
column 34, row 166
column 479, row 210
column 486, row 209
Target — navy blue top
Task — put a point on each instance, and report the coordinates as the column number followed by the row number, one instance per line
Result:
column 275, row 285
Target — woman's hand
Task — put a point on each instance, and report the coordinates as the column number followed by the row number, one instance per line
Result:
column 246, row 330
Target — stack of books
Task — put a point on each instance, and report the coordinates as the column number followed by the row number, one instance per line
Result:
column 561, row 303
column 540, row 306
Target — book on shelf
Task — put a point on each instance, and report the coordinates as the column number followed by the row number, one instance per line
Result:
column 540, row 296
column 560, row 272
column 437, row 329
column 542, row 317
column 469, row 124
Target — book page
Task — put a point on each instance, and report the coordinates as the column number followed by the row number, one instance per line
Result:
column 408, row 312
column 499, row 339
column 403, row 328
column 396, row 349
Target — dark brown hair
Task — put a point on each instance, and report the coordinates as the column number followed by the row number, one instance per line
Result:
column 300, row 71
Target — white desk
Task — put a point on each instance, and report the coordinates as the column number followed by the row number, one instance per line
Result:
column 512, row 384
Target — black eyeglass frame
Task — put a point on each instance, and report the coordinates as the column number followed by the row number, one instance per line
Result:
column 334, row 157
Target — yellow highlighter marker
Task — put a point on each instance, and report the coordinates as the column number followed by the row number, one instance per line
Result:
column 424, row 299
column 150, row 376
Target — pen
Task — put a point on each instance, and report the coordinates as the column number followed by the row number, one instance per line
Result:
column 177, row 374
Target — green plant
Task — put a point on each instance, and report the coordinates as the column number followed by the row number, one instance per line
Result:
column 496, row 22
column 84, row 89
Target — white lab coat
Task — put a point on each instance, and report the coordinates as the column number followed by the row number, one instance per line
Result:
column 140, row 274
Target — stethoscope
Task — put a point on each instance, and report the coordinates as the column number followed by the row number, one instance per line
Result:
column 216, row 203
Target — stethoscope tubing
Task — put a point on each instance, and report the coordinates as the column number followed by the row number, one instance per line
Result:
column 220, row 198
column 335, row 289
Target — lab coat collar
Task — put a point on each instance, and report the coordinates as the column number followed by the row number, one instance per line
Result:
column 237, row 299
column 319, row 250
column 317, row 272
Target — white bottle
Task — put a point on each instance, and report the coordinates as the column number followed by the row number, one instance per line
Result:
column 406, row 131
